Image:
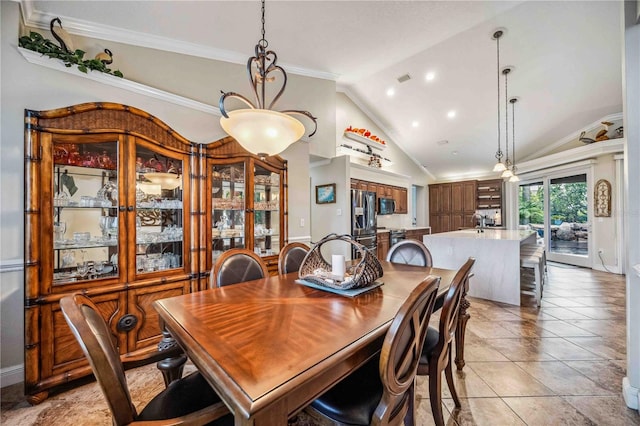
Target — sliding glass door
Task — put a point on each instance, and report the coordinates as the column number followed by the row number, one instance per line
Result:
column 557, row 207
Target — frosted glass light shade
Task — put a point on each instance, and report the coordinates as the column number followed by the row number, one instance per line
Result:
column 262, row 131
column 514, row 178
column 499, row 167
column 506, row 174
column 165, row 180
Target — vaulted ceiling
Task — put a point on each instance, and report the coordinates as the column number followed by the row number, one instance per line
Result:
column 566, row 57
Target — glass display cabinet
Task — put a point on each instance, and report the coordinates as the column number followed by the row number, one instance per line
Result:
column 247, row 195
column 107, row 193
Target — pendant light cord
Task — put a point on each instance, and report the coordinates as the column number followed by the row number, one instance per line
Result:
column 263, row 41
column 513, row 133
column 506, row 116
column 498, row 35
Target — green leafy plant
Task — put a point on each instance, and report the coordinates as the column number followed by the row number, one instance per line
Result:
column 37, row 43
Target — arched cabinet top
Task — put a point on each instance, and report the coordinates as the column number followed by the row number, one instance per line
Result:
column 105, row 117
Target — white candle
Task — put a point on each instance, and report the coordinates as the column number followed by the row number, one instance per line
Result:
column 337, row 265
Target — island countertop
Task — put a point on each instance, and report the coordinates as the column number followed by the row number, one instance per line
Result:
column 488, row 234
column 497, row 253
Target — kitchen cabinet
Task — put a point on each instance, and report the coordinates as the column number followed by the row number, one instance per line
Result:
column 417, row 234
column 400, row 197
column 463, row 204
column 489, row 194
column 452, row 205
column 397, row 193
column 383, row 239
column 247, row 202
column 120, row 207
column 440, row 207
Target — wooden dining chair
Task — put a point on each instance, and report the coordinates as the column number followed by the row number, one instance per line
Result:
column 381, row 392
column 236, row 266
column 436, row 352
column 410, row 252
column 189, row 400
column 291, row 257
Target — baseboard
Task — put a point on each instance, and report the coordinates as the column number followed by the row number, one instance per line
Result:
column 631, row 395
column 614, row 269
column 11, row 375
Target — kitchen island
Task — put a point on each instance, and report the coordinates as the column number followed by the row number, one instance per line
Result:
column 496, row 273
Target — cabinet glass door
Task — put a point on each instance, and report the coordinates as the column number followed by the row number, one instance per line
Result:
column 228, row 207
column 159, row 215
column 85, row 214
column 266, row 208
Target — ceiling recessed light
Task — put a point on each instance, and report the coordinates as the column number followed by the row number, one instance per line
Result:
column 454, row 152
column 451, row 113
column 415, row 124
column 391, row 91
column 430, row 76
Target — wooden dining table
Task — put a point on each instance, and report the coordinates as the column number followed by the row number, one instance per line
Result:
column 269, row 347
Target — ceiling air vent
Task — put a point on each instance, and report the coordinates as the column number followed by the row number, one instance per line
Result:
column 404, row 78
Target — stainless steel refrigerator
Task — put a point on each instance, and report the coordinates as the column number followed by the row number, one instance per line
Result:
column 363, row 219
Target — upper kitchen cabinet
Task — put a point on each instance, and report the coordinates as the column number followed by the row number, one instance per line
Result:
column 107, row 193
column 246, row 201
column 489, row 194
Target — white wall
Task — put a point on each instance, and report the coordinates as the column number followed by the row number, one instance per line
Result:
column 402, row 172
column 333, row 217
column 25, row 85
column 631, row 102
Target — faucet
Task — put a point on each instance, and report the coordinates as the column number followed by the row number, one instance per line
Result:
column 482, row 221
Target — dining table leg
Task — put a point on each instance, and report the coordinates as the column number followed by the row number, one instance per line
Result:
column 172, row 366
column 461, row 328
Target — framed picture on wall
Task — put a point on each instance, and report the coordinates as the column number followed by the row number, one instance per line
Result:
column 326, row 194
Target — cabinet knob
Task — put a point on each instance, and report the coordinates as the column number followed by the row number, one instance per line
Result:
column 127, row 322
column 122, row 208
column 130, row 208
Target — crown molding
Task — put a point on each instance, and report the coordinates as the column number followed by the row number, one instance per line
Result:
column 38, row 19
column 574, row 136
column 346, row 90
column 611, row 146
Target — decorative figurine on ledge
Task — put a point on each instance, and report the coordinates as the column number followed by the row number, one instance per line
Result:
column 61, row 35
column 105, row 57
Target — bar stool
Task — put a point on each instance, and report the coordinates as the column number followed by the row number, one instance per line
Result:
column 534, row 260
column 534, row 248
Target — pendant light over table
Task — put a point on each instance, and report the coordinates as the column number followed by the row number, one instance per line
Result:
column 499, row 167
column 514, row 177
column 507, row 173
column 259, row 129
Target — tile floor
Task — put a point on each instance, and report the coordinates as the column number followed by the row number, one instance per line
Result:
column 561, row 364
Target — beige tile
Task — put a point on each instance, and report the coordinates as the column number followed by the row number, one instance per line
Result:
column 564, row 302
column 543, row 411
column 599, row 313
column 488, row 330
column 467, row 383
column 424, row 415
column 563, row 313
column 607, row 374
column 562, row 379
column 526, row 328
column 507, row 379
column 609, row 348
column 563, row 329
column 483, row 411
column 481, row 351
column 601, row 327
column 605, row 410
column 520, row 349
column 564, row 350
